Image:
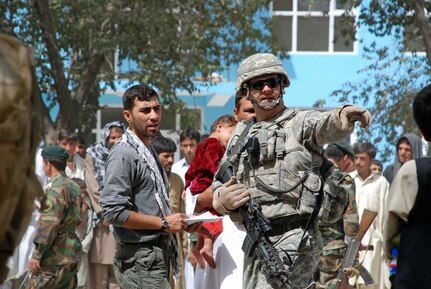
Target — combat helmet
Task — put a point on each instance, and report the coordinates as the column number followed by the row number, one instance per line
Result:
column 256, row 65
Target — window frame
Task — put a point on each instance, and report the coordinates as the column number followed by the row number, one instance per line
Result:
column 332, row 13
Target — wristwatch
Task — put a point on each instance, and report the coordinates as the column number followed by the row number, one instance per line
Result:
column 165, row 224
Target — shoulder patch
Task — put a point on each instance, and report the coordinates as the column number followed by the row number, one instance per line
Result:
column 47, row 205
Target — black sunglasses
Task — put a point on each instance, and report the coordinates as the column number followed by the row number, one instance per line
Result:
column 272, row 82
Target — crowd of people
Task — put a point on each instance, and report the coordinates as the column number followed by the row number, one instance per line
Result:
column 294, row 193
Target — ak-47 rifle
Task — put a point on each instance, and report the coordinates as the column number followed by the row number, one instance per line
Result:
column 349, row 260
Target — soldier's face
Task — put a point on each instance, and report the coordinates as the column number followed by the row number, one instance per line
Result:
column 265, row 88
column 46, row 168
column 144, row 119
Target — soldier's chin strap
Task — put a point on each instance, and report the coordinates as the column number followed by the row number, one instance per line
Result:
column 265, row 105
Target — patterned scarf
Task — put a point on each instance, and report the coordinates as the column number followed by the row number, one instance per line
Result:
column 100, row 152
column 160, row 179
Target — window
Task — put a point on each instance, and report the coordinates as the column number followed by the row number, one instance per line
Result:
column 314, row 25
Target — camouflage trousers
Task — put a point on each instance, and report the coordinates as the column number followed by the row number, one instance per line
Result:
column 142, row 265
column 303, row 253
column 329, row 264
column 54, row 277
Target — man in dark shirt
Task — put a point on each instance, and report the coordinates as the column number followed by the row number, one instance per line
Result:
column 135, row 198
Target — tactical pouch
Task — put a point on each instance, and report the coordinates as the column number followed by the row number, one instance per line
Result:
column 334, row 198
column 310, row 190
column 329, row 197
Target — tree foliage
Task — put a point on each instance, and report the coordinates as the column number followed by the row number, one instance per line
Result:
column 392, row 75
column 165, row 42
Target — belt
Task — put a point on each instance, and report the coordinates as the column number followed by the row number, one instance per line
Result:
column 159, row 241
column 63, row 230
column 283, row 225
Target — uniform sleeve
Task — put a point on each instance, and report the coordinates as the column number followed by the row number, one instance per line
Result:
column 402, row 196
column 314, row 129
column 351, row 216
column 52, row 211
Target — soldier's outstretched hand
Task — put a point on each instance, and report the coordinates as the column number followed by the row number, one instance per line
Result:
column 349, row 114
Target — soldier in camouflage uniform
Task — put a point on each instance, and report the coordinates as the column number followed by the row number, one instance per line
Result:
column 284, row 177
column 337, row 236
column 57, row 247
column 19, row 132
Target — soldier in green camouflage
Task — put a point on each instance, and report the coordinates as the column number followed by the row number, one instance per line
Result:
column 57, row 247
column 282, row 173
column 336, row 236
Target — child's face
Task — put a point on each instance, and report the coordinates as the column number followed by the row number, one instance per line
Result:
column 224, row 133
column 376, row 169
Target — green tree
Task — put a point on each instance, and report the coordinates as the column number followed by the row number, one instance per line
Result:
column 392, row 76
column 168, row 42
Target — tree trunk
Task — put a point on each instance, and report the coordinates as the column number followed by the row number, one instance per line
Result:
column 76, row 106
column 68, row 107
column 424, row 28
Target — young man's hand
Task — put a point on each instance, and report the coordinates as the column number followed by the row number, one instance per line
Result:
column 177, row 222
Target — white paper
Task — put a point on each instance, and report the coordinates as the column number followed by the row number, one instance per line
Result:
column 206, row 217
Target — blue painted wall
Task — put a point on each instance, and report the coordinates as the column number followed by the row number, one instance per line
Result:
column 313, row 77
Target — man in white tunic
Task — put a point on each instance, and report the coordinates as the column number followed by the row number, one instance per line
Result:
column 371, row 194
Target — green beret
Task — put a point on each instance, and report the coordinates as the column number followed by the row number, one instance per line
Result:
column 54, row 152
column 345, row 147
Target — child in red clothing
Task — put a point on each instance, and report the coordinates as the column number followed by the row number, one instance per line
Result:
column 200, row 176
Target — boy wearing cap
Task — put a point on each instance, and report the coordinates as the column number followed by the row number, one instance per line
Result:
column 57, row 247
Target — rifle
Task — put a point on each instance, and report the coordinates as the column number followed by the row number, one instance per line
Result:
column 258, row 228
column 257, row 240
column 349, row 260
